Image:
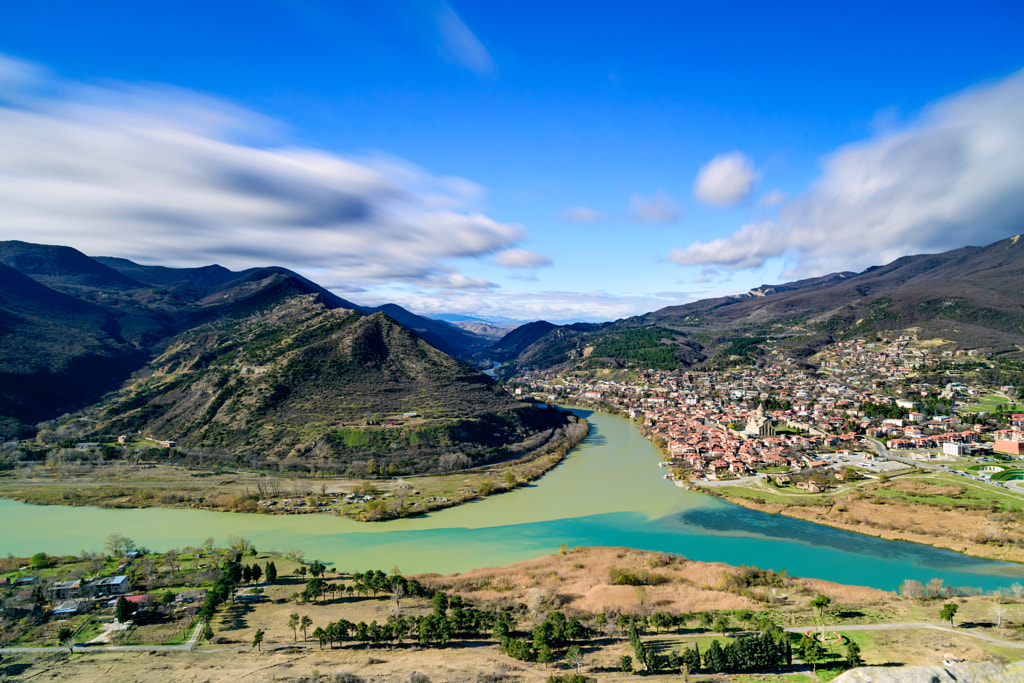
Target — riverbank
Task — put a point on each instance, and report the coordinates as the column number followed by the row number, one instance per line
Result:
column 939, row 510
column 608, row 492
column 124, row 485
column 934, row 509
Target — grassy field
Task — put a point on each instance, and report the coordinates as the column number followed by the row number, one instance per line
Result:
column 989, row 403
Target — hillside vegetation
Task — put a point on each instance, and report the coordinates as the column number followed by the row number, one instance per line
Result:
column 300, row 381
column 969, row 296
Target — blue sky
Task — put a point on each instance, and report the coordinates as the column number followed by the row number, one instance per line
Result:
column 557, row 160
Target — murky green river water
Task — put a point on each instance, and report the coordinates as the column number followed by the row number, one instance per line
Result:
column 610, row 491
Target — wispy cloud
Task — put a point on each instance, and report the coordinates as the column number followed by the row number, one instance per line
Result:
column 725, row 180
column 656, row 208
column 707, row 275
column 581, row 214
column 953, row 176
column 460, row 43
column 773, row 198
column 552, row 305
column 521, row 258
column 163, row 175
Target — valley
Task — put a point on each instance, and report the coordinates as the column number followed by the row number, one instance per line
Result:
column 262, row 393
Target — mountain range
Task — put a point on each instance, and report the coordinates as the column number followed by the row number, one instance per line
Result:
column 972, row 297
column 262, row 361
column 252, row 359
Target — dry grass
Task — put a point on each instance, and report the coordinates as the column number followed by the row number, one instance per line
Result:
column 980, row 533
column 283, row 664
column 924, row 489
column 580, row 581
column 926, row 647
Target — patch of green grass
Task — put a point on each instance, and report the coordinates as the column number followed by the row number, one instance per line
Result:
column 988, row 404
column 788, row 495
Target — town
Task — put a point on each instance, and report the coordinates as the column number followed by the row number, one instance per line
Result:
column 862, row 411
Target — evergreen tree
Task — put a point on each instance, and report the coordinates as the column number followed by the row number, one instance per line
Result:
column 811, row 651
column 304, row 624
column 821, row 602
column 853, row 656
column 691, row 658
column 439, row 603
column 714, row 658
column 504, row 625
column 639, row 649
column 123, row 610
column 64, row 637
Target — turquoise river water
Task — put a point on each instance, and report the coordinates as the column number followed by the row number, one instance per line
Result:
column 609, row 491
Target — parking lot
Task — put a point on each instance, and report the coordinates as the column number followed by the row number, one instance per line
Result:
column 863, row 461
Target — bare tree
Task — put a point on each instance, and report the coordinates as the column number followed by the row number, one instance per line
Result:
column 998, row 611
column 450, row 462
column 397, row 593
column 240, row 543
column 171, row 558
column 574, row 657
column 119, row 545
column 912, row 589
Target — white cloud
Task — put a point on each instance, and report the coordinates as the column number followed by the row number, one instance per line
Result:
column 163, row 175
column 581, row 214
column 656, row 208
column 749, row 248
column 521, row 258
column 725, row 180
column 954, row 176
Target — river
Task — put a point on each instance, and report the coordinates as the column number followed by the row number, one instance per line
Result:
column 609, row 491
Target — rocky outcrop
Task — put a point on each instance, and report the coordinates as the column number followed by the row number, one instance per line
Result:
column 967, row 672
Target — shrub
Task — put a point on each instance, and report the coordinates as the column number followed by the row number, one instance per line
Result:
column 642, row 577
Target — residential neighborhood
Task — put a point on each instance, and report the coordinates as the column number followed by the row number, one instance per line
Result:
column 859, row 408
